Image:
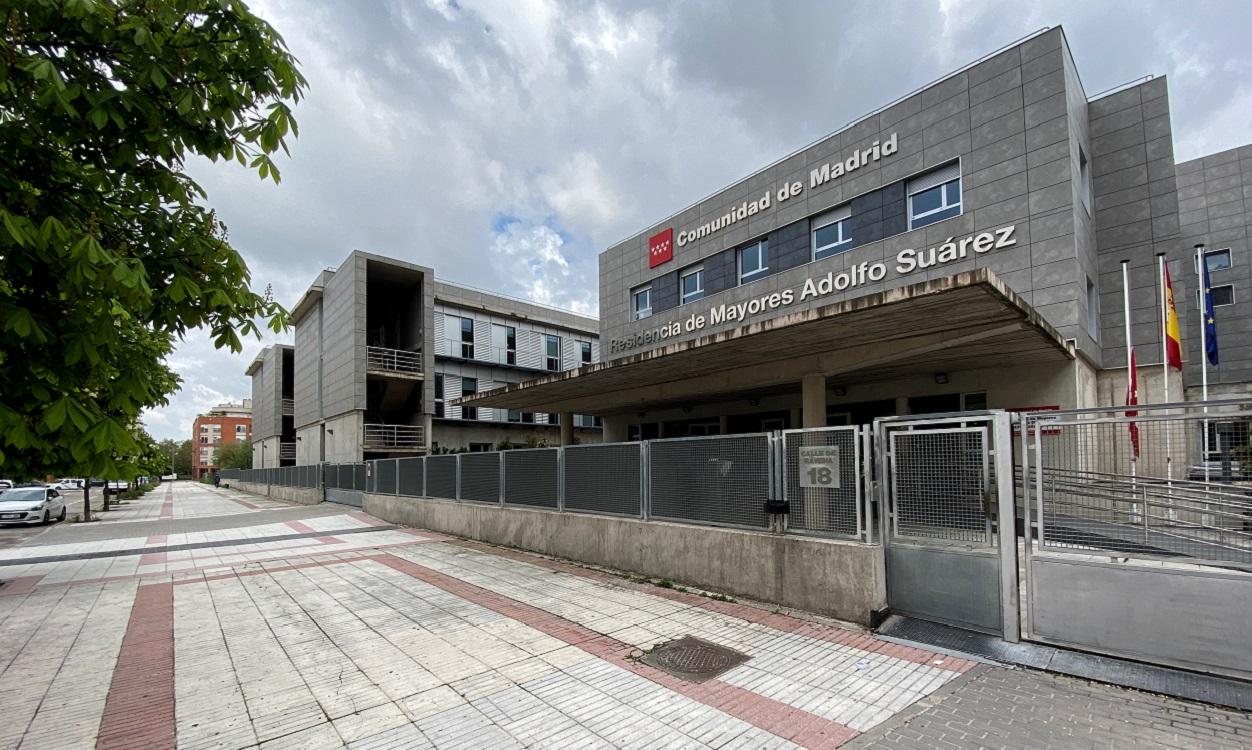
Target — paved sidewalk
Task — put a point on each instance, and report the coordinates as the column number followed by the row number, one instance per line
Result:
column 344, row 633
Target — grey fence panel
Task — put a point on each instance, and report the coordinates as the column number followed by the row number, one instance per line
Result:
column 385, row 476
column 480, row 477
column 409, row 479
column 441, row 481
column 532, row 477
column 823, row 481
column 359, row 478
column 331, row 475
column 604, row 479
column 714, row 480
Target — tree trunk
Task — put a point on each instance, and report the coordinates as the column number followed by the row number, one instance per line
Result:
column 87, row 500
column 105, row 507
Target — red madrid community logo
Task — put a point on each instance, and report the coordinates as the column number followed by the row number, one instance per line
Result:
column 660, row 248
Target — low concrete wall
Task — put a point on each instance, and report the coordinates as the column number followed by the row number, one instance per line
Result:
column 298, row 495
column 840, row 579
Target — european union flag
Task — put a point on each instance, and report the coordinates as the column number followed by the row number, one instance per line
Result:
column 1210, row 320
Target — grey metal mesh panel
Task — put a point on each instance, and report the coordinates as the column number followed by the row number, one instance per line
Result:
column 385, row 476
column 410, row 476
column 1179, row 501
column 604, row 478
column 939, row 480
column 480, row 477
column 531, row 477
column 441, row 481
column 332, row 475
column 825, row 509
column 719, row 480
column 358, row 478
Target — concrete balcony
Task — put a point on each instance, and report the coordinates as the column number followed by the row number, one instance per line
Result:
column 395, row 437
column 398, row 363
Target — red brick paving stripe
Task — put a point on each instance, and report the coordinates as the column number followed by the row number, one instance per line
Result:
column 139, row 710
column 153, row 558
column 301, row 527
column 157, row 539
column 818, row 631
column 20, row 585
column 167, row 507
column 799, row 726
column 365, row 518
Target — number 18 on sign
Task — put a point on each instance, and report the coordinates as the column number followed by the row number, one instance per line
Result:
column 819, row 466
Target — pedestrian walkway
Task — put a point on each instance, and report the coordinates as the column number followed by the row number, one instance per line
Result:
column 345, row 632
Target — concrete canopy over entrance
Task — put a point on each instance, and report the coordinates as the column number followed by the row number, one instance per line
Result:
column 968, row 320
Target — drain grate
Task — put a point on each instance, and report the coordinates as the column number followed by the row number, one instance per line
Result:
column 693, row 659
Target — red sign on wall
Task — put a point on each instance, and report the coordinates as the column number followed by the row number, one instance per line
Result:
column 660, row 248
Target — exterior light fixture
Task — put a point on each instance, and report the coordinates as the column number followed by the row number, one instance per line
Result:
column 941, row 377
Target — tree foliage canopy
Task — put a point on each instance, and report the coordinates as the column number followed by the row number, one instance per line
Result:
column 236, row 455
column 108, row 254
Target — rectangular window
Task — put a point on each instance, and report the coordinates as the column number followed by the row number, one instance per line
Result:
column 1093, row 311
column 832, row 233
column 1222, row 296
column 241, row 429
column 467, row 338
column 504, row 344
column 935, row 196
column 691, row 284
column 554, row 419
column 584, row 352
column 439, row 395
column 754, row 262
column 551, row 352
column 1216, row 260
column 481, row 447
column 641, row 302
column 528, row 417
column 469, row 386
column 1084, row 180
column 976, row 401
column 515, row 416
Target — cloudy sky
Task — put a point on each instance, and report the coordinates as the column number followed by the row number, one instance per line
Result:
column 507, row 142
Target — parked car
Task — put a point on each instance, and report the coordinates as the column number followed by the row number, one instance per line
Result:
column 67, row 484
column 118, row 485
column 6, row 484
column 31, row 505
column 168, row 477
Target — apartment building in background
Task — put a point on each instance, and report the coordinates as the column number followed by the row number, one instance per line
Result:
column 381, row 346
column 221, row 425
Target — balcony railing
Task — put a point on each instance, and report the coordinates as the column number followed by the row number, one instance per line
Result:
column 287, row 451
column 393, row 360
column 394, row 436
column 289, row 407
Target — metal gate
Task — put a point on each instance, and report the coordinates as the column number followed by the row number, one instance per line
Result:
column 948, row 527
column 345, row 483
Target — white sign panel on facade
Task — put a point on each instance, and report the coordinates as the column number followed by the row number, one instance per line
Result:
column 819, row 467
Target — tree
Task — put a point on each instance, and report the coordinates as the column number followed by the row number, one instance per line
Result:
column 236, row 455
column 181, row 452
column 107, row 254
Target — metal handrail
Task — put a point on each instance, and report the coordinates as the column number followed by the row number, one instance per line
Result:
column 287, row 451
column 289, row 407
column 393, row 360
column 394, row 436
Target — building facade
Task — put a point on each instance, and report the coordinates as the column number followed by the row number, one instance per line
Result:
column 380, row 349
column 958, row 249
column 222, row 425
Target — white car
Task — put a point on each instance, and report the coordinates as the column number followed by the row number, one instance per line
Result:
column 31, row 505
column 6, row 484
column 67, row 484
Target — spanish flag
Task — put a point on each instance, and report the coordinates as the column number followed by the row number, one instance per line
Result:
column 1173, row 338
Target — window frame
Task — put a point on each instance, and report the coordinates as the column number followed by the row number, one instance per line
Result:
column 1199, row 299
column 761, row 248
column 944, row 206
column 549, row 359
column 467, row 346
column 697, row 294
column 637, row 312
column 838, row 217
column 1085, row 191
column 510, row 343
column 1093, row 310
column 440, row 410
column 469, row 412
column 584, row 352
column 1230, row 260
column 965, row 400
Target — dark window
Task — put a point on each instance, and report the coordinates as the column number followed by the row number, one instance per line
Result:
column 552, row 352
column 528, row 417
column 467, row 338
column 515, row 416
column 584, row 351
column 469, row 386
column 439, row 395
column 504, row 344
column 1222, row 295
column 554, row 419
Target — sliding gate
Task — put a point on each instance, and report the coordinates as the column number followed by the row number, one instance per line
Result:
column 946, row 487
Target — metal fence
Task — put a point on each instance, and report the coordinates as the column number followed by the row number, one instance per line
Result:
column 716, row 480
column 1171, row 482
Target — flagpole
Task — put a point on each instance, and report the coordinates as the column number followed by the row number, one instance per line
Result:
column 1130, row 367
column 1169, row 453
column 1204, row 352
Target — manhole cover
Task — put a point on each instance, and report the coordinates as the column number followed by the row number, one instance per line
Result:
column 693, row 659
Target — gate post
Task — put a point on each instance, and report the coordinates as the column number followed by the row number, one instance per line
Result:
column 645, row 479
column 560, row 479
column 500, row 466
column 1006, row 507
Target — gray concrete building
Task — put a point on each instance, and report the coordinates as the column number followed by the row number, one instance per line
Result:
column 380, row 346
column 957, row 249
